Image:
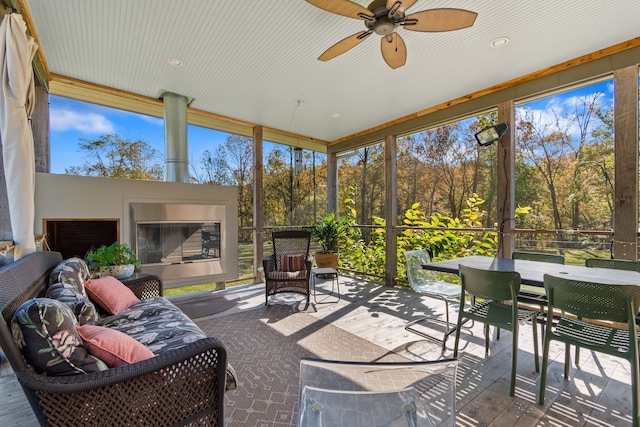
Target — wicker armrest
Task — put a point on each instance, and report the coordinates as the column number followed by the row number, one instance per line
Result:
column 269, row 264
column 145, row 286
column 183, row 386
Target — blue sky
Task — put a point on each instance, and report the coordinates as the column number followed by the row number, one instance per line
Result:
column 72, row 120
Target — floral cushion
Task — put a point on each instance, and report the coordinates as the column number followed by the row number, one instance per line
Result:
column 157, row 324
column 45, row 331
column 80, row 305
column 74, row 271
column 160, row 326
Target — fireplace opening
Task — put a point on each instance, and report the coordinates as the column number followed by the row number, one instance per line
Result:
column 78, row 236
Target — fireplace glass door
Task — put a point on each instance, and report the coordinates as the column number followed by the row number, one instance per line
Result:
column 176, row 242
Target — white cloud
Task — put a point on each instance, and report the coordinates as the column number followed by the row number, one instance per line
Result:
column 86, row 123
column 152, row 120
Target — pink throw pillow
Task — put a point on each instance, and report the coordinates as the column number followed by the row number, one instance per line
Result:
column 292, row 262
column 111, row 294
column 112, row 347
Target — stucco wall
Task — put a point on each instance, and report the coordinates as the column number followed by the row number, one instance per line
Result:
column 66, row 196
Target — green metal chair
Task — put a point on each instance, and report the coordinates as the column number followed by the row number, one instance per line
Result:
column 538, row 256
column 530, row 296
column 495, row 288
column 596, row 301
column 617, row 264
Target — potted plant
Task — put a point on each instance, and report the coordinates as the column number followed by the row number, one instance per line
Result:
column 328, row 232
column 116, row 260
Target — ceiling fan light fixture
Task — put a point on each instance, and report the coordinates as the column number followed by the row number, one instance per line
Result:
column 175, row 62
column 384, row 28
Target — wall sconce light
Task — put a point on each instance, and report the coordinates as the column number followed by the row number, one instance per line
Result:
column 491, row 134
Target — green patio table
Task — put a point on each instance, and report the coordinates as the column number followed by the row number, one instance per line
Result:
column 532, row 272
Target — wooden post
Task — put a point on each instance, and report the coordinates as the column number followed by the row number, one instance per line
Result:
column 506, row 181
column 391, row 208
column 625, row 216
column 258, row 205
column 40, row 129
column 332, row 182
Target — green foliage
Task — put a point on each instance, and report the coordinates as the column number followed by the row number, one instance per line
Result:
column 115, row 254
column 328, row 232
column 442, row 236
column 114, row 157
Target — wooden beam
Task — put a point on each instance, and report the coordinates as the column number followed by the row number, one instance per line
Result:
column 567, row 73
column 625, row 222
column 332, row 182
column 40, row 65
column 391, row 208
column 506, row 194
column 258, row 203
column 128, row 101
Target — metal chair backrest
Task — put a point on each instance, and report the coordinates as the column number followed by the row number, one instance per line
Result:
column 592, row 300
column 617, row 264
column 418, row 276
column 538, row 256
column 490, row 284
column 291, row 242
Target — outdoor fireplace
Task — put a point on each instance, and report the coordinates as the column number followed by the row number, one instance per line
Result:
column 178, row 241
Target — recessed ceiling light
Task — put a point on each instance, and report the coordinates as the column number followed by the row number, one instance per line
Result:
column 334, row 115
column 174, row 62
column 500, row 42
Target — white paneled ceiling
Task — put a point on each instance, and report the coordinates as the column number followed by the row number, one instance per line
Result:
column 253, row 60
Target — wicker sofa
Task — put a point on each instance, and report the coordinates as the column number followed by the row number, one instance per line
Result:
column 180, row 386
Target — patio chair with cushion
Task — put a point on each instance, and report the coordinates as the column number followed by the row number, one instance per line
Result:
column 495, row 303
column 602, row 304
column 289, row 268
column 354, row 394
column 424, row 282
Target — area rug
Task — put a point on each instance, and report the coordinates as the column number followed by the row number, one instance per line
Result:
column 265, row 346
column 205, row 306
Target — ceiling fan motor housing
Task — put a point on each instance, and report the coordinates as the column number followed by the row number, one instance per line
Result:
column 382, row 24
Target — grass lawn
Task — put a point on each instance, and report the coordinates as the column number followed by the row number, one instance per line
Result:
column 245, row 270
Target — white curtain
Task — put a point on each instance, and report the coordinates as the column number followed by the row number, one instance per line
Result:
column 16, row 105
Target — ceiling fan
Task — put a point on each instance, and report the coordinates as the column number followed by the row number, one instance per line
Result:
column 383, row 17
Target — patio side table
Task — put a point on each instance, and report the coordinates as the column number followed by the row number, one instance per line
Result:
column 326, row 273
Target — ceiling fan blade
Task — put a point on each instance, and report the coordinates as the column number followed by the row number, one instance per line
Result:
column 435, row 20
column 344, row 45
column 394, row 51
column 343, row 7
column 404, row 4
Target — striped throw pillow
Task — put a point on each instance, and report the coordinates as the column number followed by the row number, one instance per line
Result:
column 292, row 262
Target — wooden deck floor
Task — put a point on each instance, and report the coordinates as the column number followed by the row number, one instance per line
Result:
column 597, row 394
